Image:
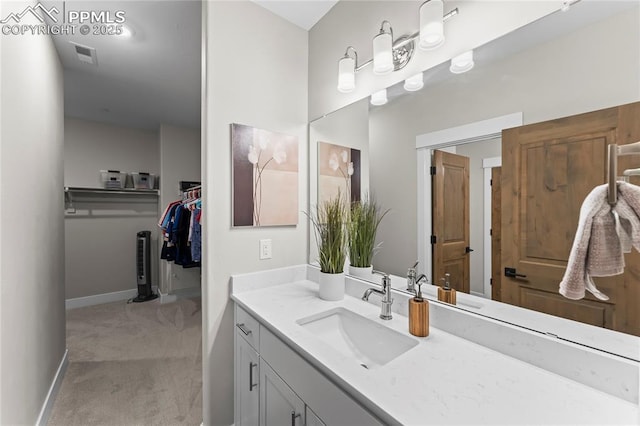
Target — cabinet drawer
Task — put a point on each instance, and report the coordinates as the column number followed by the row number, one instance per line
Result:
column 248, row 327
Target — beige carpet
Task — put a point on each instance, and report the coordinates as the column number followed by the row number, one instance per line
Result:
column 132, row 364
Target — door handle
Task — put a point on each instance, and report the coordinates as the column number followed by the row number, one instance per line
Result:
column 294, row 416
column 468, row 249
column 251, row 384
column 512, row 273
column 244, row 329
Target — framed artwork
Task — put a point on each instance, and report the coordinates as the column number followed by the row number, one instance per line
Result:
column 338, row 172
column 264, row 177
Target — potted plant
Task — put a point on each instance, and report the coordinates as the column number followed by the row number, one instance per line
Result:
column 366, row 216
column 329, row 227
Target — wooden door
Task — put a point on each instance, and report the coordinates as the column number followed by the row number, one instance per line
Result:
column 451, row 219
column 496, row 237
column 547, row 171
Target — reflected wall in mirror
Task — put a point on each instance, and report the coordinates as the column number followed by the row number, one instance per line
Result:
column 565, row 64
column 349, row 130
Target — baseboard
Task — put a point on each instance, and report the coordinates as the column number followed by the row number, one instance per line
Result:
column 98, row 299
column 183, row 293
column 47, row 407
column 479, row 294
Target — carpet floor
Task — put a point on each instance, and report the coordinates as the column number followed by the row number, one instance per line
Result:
column 132, row 364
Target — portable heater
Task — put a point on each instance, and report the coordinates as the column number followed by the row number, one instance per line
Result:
column 143, row 267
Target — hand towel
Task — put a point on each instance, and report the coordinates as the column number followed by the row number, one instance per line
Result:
column 604, row 233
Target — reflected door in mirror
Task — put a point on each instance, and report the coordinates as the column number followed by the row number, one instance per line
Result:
column 451, row 219
column 547, row 171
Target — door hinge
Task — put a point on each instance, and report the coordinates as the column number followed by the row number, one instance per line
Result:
column 433, row 170
column 490, row 182
column 490, row 281
column 433, row 239
column 491, row 232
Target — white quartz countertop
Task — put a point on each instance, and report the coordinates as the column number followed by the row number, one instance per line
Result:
column 443, row 380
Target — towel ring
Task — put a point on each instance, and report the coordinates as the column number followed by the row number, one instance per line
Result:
column 614, row 151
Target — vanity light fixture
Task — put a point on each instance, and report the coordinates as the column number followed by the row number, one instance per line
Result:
column 347, row 71
column 462, row 63
column 379, row 97
column 383, row 51
column 392, row 55
column 414, row 83
column 431, row 24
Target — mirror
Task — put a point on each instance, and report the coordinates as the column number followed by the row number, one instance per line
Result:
column 549, row 69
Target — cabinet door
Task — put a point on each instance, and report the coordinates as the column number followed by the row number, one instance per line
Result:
column 279, row 405
column 247, row 389
column 312, row 419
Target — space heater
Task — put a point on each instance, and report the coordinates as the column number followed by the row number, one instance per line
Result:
column 143, row 267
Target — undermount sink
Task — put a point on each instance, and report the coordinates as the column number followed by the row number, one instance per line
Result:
column 371, row 344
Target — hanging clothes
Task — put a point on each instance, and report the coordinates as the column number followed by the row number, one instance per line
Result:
column 181, row 230
column 196, row 236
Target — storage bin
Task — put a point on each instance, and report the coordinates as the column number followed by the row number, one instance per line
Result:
column 143, row 180
column 112, row 179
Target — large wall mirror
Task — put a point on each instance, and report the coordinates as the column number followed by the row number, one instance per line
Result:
column 568, row 63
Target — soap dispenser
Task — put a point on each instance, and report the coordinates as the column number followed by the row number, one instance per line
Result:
column 447, row 294
column 419, row 315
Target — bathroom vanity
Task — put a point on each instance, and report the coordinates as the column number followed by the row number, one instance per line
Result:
column 302, row 360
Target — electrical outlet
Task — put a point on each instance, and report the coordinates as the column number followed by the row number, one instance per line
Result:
column 265, row 249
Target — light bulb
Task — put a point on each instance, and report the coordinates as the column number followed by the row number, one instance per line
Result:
column 414, row 83
column 379, row 97
column 346, row 74
column 462, row 63
column 382, row 54
column 431, row 24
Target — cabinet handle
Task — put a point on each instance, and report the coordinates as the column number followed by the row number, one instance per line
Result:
column 251, row 384
column 244, row 329
column 294, row 416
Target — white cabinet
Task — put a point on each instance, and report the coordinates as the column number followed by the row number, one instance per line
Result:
column 312, row 419
column 247, row 376
column 275, row 386
column 279, row 405
column 247, row 379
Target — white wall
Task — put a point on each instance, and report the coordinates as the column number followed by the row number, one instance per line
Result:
column 476, row 152
column 100, row 233
column 265, row 86
column 355, row 23
column 179, row 161
column 32, row 246
column 91, row 146
column 571, row 75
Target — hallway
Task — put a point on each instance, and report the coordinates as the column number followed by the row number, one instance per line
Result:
column 132, row 364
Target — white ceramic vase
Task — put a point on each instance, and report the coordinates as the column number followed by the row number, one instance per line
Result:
column 331, row 286
column 364, row 273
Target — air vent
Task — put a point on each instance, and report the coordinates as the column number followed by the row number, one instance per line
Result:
column 86, row 54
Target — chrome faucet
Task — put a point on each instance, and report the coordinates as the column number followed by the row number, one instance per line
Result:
column 422, row 277
column 385, row 294
column 411, row 278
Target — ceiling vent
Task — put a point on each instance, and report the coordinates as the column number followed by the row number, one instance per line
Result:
column 86, row 54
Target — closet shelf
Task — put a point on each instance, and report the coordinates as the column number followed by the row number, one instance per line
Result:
column 127, row 191
column 94, row 194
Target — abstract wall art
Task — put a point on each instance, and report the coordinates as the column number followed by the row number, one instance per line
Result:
column 264, row 177
column 338, row 172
